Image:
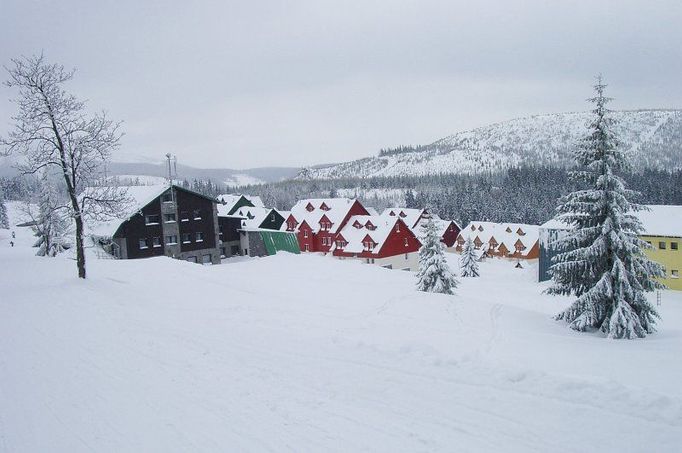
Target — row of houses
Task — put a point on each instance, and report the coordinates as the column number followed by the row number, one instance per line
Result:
column 169, row 220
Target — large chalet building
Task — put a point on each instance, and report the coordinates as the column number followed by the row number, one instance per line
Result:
column 162, row 220
column 317, row 221
column 504, row 240
column 382, row 240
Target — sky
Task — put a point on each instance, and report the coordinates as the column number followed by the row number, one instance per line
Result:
column 242, row 84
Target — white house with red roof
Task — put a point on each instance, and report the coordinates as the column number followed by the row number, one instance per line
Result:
column 382, row 240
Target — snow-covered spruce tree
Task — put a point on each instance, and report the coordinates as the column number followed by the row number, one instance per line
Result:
column 51, row 224
column 601, row 260
column 467, row 260
column 4, row 220
column 434, row 274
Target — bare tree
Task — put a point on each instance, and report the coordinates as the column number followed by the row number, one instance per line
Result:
column 52, row 130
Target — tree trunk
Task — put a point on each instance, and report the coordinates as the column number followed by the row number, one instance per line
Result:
column 80, row 249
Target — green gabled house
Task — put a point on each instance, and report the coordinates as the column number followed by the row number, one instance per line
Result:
column 232, row 202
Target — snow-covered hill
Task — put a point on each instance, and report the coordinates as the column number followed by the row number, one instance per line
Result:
column 653, row 137
column 266, row 355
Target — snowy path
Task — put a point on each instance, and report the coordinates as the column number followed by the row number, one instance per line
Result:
column 304, row 353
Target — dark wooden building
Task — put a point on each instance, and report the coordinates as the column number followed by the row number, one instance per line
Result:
column 163, row 220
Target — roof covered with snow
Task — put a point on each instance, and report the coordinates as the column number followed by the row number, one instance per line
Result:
column 313, row 209
column 503, row 233
column 410, row 216
column 253, row 216
column 137, row 198
column 658, row 220
column 229, row 200
column 360, row 226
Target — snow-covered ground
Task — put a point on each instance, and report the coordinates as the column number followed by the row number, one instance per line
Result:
column 308, row 353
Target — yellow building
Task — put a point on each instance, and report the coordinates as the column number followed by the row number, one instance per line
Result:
column 663, row 231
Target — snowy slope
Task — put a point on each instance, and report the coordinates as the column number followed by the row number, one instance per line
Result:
column 654, row 138
column 163, row 355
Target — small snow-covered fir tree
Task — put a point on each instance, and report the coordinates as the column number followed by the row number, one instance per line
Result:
column 434, row 274
column 51, row 225
column 4, row 220
column 601, row 260
column 467, row 260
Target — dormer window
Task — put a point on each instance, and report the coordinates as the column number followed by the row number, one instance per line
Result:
column 324, row 207
column 341, row 244
column 508, row 230
column 310, row 207
column 520, row 232
column 370, row 226
column 391, row 213
column 473, row 228
column 357, row 224
column 402, row 214
column 480, row 228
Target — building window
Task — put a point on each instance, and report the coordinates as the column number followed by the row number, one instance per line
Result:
column 406, row 242
column 661, row 245
column 167, row 197
column 673, row 246
column 674, row 273
column 184, row 216
column 186, row 238
column 397, row 228
column 152, row 219
column 197, row 214
column 171, row 240
column 200, row 236
column 305, row 234
column 156, row 242
column 307, row 249
column 168, row 218
column 143, row 243
column 206, row 259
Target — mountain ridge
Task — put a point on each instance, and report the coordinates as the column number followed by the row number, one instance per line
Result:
column 654, row 137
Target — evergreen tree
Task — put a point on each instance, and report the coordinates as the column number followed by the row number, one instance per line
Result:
column 467, row 260
column 410, row 201
column 602, row 261
column 51, row 226
column 4, row 221
column 434, row 274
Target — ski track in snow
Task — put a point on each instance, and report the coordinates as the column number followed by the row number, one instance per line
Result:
column 162, row 355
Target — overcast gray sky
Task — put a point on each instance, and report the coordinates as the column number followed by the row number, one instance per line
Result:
column 284, row 83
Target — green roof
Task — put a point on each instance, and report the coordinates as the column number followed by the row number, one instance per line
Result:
column 280, row 241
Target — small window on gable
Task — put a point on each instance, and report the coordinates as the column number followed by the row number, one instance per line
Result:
column 397, row 227
column 520, row 232
column 480, row 228
column 357, row 224
column 392, row 213
column 508, row 230
column 310, row 207
column 324, row 207
column 305, row 234
column 402, row 214
column 406, row 242
column 370, row 226
column 473, row 228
